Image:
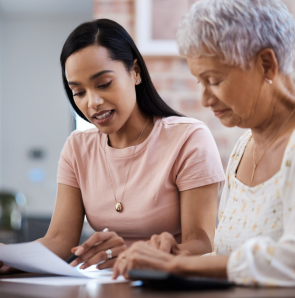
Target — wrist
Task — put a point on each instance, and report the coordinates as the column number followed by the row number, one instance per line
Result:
column 175, row 264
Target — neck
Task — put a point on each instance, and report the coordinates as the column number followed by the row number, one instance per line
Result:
column 128, row 134
column 280, row 116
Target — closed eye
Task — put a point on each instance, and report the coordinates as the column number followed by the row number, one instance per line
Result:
column 79, row 94
column 216, row 84
column 104, row 85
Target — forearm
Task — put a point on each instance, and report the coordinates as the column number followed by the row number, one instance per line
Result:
column 196, row 247
column 61, row 246
column 210, row 266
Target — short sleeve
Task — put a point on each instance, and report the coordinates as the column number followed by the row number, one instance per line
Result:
column 198, row 162
column 66, row 166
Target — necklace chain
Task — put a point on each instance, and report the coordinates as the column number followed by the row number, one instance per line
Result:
column 271, row 142
column 119, row 207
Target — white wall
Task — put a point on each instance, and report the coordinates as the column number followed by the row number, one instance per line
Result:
column 34, row 112
column 0, row 99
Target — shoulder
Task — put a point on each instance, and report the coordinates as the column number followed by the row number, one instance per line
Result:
column 288, row 164
column 189, row 135
column 237, row 152
column 78, row 135
column 241, row 144
column 80, row 139
column 183, row 125
column 175, row 120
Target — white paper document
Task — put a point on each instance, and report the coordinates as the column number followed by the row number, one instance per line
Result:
column 36, row 258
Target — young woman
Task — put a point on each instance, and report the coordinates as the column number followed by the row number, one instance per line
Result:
column 144, row 169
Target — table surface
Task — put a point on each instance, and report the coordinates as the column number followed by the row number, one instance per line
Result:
column 124, row 290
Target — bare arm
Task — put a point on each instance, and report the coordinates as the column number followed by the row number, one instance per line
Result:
column 209, row 266
column 66, row 223
column 143, row 256
column 198, row 218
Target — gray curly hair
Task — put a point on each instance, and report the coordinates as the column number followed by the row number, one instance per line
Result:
column 236, row 30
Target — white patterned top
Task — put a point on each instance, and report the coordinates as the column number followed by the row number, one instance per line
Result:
column 257, row 224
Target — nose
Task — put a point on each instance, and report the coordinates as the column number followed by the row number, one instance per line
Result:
column 207, row 99
column 94, row 100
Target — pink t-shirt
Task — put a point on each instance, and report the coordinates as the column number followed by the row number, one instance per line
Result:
column 179, row 154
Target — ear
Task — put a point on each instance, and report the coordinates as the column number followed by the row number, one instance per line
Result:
column 136, row 70
column 268, row 63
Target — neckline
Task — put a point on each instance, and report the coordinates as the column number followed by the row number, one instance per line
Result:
column 266, row 182
column 128, row 151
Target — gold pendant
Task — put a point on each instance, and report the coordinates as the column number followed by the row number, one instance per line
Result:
column 119, row 207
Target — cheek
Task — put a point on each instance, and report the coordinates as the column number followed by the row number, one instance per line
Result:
column 125, row 97
column 236, row 98
column 80, row 105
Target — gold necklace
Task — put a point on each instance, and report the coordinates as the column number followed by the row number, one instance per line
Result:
column 256, row 163
column 119, row 206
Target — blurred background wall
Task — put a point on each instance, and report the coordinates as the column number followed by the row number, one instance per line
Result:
column 35, row 119
column 1, row 143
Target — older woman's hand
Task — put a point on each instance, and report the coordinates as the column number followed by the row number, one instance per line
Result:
column 141, row 255
column 166, row 243
column 100, row 247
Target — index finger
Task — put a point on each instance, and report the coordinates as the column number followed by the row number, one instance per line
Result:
column 167, row 243
column 93, row 240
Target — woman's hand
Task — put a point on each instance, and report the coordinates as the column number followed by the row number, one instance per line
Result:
column 4, row 268
column 166, row 243
column 141, row 255
column 101, row 246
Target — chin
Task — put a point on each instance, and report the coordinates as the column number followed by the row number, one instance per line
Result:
column 107, row 130
column 228, row 122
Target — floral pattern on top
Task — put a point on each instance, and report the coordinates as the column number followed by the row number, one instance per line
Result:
column 257, row 224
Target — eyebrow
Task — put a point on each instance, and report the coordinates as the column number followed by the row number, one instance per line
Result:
column 209, row 71
column 93, row 77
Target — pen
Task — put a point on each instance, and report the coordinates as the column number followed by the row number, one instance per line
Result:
column 74, row 257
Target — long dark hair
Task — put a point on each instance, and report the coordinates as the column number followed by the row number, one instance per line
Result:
column 121, row 47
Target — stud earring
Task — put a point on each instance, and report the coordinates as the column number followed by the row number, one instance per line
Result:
column 268, row 81
column 138, row 81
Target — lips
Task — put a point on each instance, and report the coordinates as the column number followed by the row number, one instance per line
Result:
column 219, row 112
column 103, row 117
column 101, row 113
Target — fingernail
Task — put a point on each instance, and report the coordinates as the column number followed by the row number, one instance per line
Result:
column 79, row 251
column 74, row 263
column 82, row 267
column 74, row 249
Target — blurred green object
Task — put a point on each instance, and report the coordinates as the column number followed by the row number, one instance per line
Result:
column 12, row 222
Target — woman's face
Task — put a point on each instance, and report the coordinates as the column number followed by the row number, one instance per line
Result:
column 103, row 89
column 233, row 94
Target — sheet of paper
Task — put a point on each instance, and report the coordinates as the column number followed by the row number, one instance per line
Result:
column 36, row 258
column 65, row 280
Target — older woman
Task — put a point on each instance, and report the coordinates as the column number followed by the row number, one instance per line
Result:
column 242, row 52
